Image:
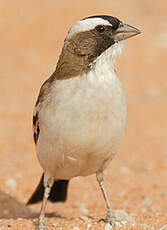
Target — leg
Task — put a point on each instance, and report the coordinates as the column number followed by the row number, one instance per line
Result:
column 110, row 217
column 48, row 182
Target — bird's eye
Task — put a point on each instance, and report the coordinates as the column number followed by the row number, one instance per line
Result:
column 100, row 29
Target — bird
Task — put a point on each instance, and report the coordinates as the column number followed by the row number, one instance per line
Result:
column 79, row 118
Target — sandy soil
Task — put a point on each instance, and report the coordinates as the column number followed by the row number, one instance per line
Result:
column 31, row 37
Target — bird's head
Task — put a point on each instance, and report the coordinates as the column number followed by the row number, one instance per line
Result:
column 89, row 38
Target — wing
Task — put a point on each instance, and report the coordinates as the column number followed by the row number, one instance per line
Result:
column 44, row 91
column 36, row 129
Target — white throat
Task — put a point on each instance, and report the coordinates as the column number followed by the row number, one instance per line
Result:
column 108, row 58
column 103, row 68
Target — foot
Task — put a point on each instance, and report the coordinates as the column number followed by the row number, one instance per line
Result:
column 41, row 225
column 110, row 218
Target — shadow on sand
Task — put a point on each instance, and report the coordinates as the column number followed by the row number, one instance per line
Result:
column 11, row 208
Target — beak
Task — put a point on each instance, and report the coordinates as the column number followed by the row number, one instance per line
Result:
column 125, row 31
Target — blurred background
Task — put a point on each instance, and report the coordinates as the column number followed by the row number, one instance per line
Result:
column 31, row 38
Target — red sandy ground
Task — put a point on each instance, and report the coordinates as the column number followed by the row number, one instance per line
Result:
column 31, row 37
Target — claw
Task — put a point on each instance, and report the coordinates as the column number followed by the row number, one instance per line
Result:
column 110, row 218
column 110, row 221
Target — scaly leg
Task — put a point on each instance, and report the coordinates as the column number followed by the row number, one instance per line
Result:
column 48, row 182
column 110, row 217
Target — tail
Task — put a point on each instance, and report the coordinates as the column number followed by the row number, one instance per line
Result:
column 58, row 192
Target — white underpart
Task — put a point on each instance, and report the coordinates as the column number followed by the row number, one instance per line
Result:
column 85, row 25
column 81, row 127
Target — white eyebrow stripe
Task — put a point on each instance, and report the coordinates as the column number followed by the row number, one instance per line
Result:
column 86, row 24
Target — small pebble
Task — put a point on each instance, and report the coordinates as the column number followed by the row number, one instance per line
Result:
column 124, row 170
column 10, row 182
column 108, row 227
column 146, row 201
column 75, row 228
column 144, row 210
column 84, row 210
column 123, row 218
column 161, row 40
column 121, row 194
column 54, row 224
column 77, row 204
column 124, row 222
column 81, row 207
column 152, row 228
column 125, row 203
column 163, row 227
column 145, row 226
column 88, row 226
column 84, row 218
column 118, row 224
column 5, row 212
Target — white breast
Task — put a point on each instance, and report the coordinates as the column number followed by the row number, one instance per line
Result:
column 81, row 127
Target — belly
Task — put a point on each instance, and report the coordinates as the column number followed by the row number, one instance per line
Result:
column 80, row 153
column 82, row 134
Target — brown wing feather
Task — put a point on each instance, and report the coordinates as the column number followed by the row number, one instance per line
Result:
column 36, row 129
column 45, row 88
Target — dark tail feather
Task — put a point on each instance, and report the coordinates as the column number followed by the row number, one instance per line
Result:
column 58, row 192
